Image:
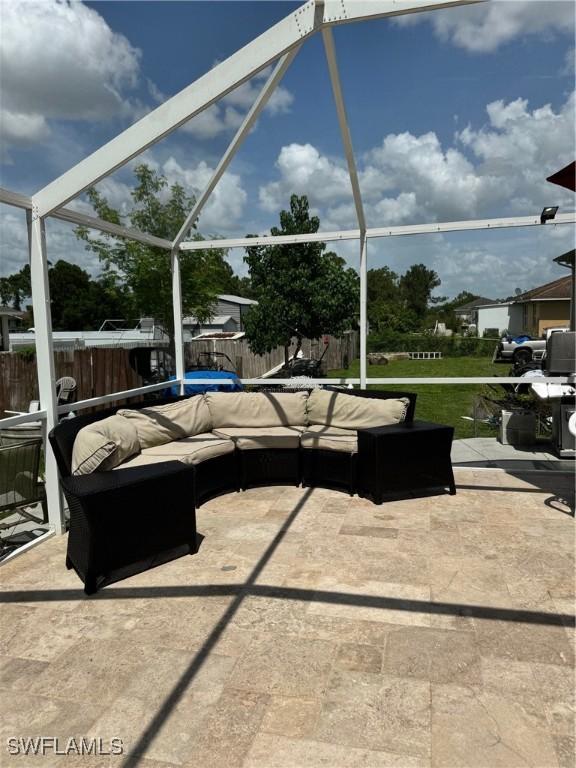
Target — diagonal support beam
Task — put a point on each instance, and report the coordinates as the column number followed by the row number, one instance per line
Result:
column 192, row 100
column 92, row 222
column 343, row 121
column 74, row 217
column 242, row 132
column 293, row 30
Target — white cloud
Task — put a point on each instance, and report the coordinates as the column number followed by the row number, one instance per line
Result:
column 520, row 148
column 22, row 128
column 303, row 170
column 485, row 27
column 498, row 168
column 225, row 207
column 60, row 60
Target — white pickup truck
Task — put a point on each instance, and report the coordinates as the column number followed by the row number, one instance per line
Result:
column 523, row 349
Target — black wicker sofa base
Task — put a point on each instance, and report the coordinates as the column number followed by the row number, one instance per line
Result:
column 124, row 522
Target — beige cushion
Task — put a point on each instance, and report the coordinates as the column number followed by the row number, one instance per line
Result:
column 337, row 409
column 104, row 444
column 142, row 460
column 190, row 450
column 161, row 424
column 330, row 438
column 253, row 438
column 257, row 409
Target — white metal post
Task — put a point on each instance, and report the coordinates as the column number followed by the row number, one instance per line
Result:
column 177, row 310
column 44, row 358
column 363, row 307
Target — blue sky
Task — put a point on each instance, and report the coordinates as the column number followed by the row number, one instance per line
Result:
column 454, row 114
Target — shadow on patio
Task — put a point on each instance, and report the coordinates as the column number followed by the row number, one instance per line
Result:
column 315, row 627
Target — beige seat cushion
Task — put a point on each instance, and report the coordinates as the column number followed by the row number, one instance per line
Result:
column 190, row 450
column 337, row 409
column 257, row 409
column 104, row 444
column 161, row 424
column 254, row 438
column 320, row 436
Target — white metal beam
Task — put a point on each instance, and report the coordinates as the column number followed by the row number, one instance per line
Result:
column 354, row 234
column 45, row 360
column 177, row 311
column 363, row 310
column 15, row 199
column 114, row 396
column 346, row 11
column 202, row 93
column 242, row 132
column 92, row 222
column 219, row 81
column 462, row 226
column 330, row 50
column 243, row 242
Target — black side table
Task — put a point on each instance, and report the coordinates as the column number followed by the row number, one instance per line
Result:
column 409, row 456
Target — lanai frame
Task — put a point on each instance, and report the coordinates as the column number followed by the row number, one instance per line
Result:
column 278, row 45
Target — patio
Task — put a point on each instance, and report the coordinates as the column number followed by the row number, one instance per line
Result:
column 313, row 629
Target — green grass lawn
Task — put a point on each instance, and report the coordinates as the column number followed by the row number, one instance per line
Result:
column 443, row 403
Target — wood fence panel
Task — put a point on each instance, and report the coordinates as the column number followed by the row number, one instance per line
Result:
column 339, row 354
column 97, row 371
column 104, row 370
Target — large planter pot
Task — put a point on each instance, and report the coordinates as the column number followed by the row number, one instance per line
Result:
column 518, row 427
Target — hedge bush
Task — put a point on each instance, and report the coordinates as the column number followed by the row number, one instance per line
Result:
column 449, row 346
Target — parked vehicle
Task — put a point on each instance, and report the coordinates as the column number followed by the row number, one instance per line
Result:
column 524, row 348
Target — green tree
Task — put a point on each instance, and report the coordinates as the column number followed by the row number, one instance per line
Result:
column 387, row 310
column 146, row 270
column 79, row 303
column 302, row 291
column 416, row 287
column 15, row 288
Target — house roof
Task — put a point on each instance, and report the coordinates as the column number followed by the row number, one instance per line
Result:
column 214, row 320
column 235, row 299
column 557, row 289
column 477, row 302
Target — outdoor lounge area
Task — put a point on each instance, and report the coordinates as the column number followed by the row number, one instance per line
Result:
column 229, row 580
column 313, row 629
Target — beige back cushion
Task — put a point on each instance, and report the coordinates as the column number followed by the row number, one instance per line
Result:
column 161, row 424
column 257, row 409
column 350, row 412
column 103, row 445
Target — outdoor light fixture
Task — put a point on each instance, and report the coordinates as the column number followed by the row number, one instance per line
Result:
column 548, row 214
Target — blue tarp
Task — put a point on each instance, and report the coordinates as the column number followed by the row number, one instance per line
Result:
column 193, row 389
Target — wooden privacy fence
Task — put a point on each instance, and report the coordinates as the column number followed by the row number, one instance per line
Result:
column 98, row 371
column 339, row 353
column 103, row 370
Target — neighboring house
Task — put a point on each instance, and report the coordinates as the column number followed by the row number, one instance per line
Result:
column 228, row 317
column 547, row 306
column 503, row 316
column 467, row 314
column 235, row 306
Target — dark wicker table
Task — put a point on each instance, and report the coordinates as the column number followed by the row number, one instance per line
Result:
column 412, row 456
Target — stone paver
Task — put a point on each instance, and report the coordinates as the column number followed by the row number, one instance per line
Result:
column 424, row 632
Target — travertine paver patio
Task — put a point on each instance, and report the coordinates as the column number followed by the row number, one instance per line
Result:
column 313, row 629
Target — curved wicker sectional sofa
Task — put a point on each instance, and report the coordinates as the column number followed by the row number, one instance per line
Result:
column 133, row 477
